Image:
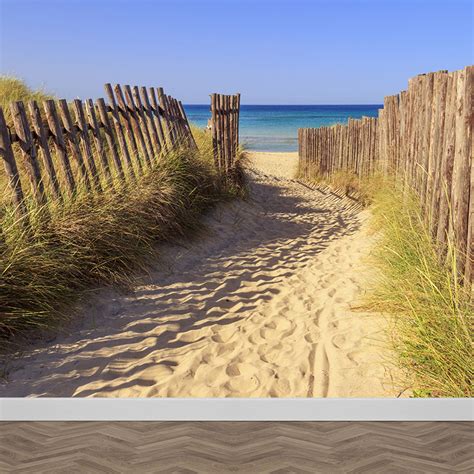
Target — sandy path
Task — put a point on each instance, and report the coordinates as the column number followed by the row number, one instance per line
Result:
column 258, row 307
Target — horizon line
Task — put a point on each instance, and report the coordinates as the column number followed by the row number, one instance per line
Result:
column 294, row 105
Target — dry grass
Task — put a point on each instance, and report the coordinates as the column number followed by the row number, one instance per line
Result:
column 13, row 89
column 95, row 242
column 68, row 250
column 432, row 313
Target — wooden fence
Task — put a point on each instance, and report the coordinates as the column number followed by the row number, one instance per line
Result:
column 53, row 149
column 225, row 111
column 325, row 150
column 423, row 137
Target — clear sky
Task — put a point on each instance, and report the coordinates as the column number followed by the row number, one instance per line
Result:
column 272, row 51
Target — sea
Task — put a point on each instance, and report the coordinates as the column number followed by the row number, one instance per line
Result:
column 275, row 127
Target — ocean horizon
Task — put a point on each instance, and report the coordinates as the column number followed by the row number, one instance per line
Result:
column 275, row 127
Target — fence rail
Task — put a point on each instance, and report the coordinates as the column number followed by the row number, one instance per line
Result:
column 422, row 137
column 87, row 142
column 225, row 111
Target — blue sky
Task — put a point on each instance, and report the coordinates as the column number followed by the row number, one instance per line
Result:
column 273, row 52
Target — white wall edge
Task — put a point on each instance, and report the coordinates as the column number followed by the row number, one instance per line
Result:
column 236, row 409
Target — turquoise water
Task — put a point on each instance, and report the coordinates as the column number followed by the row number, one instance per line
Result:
column 275, row 127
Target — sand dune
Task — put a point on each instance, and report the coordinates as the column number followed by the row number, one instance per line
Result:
column 257, row 307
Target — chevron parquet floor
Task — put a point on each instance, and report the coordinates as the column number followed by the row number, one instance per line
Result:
column 236, row 447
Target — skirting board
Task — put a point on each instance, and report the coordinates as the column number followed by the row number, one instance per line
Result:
column 236, row 409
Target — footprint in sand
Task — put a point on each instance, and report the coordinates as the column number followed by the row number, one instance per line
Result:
column 278, row 354
column 243, row 378
column 345, row 341
column 223, row 335
column 313, row 337
column 226, row 348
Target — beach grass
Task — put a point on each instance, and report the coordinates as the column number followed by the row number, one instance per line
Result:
column 66, row 250
column 430, row 311
column 13, row 89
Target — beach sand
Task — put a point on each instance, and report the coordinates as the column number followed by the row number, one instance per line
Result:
column 257, row 306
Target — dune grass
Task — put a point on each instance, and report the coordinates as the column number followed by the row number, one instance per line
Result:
column 69, row 249
column 13, row 89
column 430, row 311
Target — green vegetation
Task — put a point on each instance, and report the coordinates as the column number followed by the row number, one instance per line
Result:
column 433, row 313
column 67, row 250
column 418, row 287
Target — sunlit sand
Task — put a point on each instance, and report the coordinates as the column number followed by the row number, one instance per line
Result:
column 258, row 306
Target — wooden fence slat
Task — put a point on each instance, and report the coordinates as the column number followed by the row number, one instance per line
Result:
column 179, row 121
column 169, row 133
column 42, row 140
column 136, row 124
column 232, row 149
column 223, row 122
column 229, row 132
column 99, row 145
column 11, row 169
column 237, row 121
column 461, row 171
column 118, row 111
column 447, row 163
column 214, row 131
column 427, row 97
column 85, row 141
column 469, row 124
column 144, row 123
column 59, row 144
column 220, row 118
column 28, row 150
column 109, row 136
column 218, row 133
column 227, row 129
column 155, row 108
column 71, row 137
column 182, row 122
column 145, row 100
column 174, row 120
column 187, row 125
column 436, row 150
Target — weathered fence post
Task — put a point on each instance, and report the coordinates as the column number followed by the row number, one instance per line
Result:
column 116, row 112
column 42, row 139
column 9, row 163
column 59, row 144
column 225, row 113
column 28, row 150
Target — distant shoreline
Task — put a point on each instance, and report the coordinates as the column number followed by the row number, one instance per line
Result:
column 274, row 128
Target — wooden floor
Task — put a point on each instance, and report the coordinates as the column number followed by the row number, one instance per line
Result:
column 243, row 447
